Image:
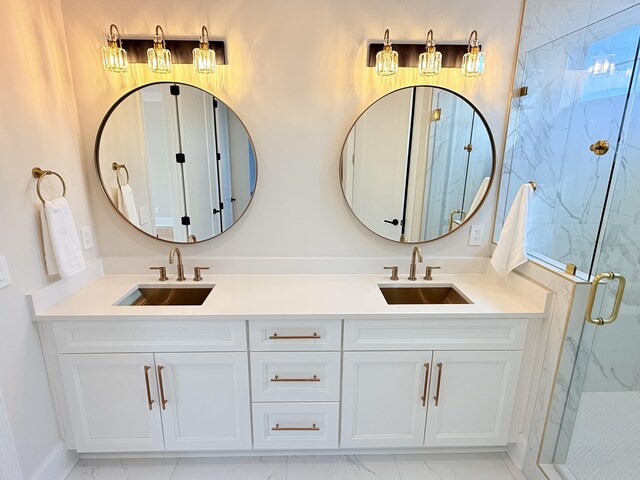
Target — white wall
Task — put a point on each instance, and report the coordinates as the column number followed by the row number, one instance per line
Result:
column 38, row 126
column 297, row 79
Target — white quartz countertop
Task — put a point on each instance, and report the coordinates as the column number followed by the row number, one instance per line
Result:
column 297, row 296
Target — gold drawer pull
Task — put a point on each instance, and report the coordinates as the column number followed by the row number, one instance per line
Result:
column 313, row 428
column 275, row 336
column 278, row 379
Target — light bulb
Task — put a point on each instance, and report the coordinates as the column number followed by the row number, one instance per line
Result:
column 204, row 59
column 430, row 62
column 114, row 57
column 473, row 62
column 159, row 58
column 387, row 58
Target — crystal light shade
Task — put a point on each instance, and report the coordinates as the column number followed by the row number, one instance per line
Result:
column 430, row 62
column 387, row 58
column 204, row 59
column 473, row 62
column 114, row 57
column 159, row 58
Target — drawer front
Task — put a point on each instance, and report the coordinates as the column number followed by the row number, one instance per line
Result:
column 427, row 334
column 150, row 336
column 286, row 335
column 295, row 376
column 295, row 425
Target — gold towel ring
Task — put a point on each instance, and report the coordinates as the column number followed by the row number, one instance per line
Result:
column 117, row 166
column 38, row 173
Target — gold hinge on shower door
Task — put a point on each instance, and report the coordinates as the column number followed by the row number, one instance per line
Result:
column 600, row 147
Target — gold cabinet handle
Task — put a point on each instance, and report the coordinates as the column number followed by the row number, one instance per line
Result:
column 426, row 385
column 146, row 379
column 622, row 282
column 163, row 400
column 437, row 397
column 275, row 336
column 276, row 378
column 278, row 428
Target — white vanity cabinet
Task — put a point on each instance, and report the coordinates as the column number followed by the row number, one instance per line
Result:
column 443, row 396
column 185, row 387
column 162, row 401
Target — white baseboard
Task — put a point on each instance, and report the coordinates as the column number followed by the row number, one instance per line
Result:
column 57, row 465
column 516, row 452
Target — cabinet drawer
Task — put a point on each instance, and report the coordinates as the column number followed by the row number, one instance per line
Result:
column 150, row 336
column 295, row 425
column 435, row 334
column 295, row 335
column 295, row 376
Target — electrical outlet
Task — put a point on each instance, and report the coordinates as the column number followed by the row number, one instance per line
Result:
column 476, row 235
column 5, row 275
column 87, row 237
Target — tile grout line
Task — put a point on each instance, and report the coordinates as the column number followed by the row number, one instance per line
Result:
column 395, row 459
column 286, row 468
column 175, row 465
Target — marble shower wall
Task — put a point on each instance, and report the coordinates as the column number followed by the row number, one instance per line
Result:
column 539, row 133
column 551, row 129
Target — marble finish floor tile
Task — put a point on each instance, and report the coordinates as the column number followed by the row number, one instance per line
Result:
column 348, row 467
column 125, row 469
column 453, row 467
column 485, row 466
column 236, row 468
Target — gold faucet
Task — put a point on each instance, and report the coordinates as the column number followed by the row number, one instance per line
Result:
column 412, row 268
column 176, row 251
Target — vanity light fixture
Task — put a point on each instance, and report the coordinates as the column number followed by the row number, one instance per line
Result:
column 204, row 59
column 114, row 57
column 387, row 58
column 430, row 61
column 159, row 58
column 473, row 61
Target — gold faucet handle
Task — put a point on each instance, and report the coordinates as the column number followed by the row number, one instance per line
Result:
column 197, row 273
column 163, row 273
column 394, row 272
column 428, row 271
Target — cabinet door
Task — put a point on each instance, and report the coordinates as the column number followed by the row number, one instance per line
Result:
column 381, row 395
column 475, row 392
column 207, row 400
column 113, row 401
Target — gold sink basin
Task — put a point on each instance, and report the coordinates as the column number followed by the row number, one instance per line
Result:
column 157, row 296
column 436, row 295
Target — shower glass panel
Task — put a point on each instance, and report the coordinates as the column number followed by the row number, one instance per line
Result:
column 578, row 137
column 577, row 93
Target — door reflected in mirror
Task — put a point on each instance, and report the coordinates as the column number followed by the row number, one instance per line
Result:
column 417, row 164
column 176, row 162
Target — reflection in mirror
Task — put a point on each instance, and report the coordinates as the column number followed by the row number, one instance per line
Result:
column 176, row 162
column 417, row 164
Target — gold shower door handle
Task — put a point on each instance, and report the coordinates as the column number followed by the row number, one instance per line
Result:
column 453, row 212
column 592, row 298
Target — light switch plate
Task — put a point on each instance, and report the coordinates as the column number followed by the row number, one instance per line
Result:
column 87, row 237
column 143, row 214
column 476, row 235
column 5, row 274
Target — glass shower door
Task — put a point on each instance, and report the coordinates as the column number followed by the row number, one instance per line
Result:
column 601, row 422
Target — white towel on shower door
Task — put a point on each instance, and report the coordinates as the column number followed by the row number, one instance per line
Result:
column 62, row 250
column 127, row 204
column 512, row 245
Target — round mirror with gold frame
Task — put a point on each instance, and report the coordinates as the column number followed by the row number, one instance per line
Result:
column 176, row 162
column 417, row 164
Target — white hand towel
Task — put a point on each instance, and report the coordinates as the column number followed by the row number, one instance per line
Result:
column 482, row 190
column 512, row 245
column 60, row 237
column 127, row 204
